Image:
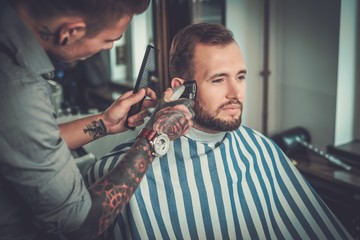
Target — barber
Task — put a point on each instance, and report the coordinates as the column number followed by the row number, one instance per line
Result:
column 42, row 194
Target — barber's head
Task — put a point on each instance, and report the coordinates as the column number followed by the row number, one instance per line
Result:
column 72, row 30
column 209, row 54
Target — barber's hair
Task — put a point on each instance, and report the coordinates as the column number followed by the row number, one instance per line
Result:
column 184, row 42
column 98, row 14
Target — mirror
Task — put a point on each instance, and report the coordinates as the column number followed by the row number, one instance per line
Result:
column 127, row 54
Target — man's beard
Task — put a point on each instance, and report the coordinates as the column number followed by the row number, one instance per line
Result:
column 207, row 120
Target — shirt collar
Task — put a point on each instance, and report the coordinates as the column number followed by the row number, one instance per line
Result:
column 203, row 137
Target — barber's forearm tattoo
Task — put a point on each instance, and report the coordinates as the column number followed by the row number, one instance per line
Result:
column 96, row 129
column 114, row 190
column 126, row 177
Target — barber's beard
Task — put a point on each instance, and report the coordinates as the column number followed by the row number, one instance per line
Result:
column 207, row 120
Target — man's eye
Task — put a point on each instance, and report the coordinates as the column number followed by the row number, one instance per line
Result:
column 217, row 80
column 242, row 77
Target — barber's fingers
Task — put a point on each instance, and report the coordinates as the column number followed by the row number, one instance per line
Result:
column 128, row 99
column 148, row 103
column 166, row 96
column 171, row 95
column 136, row 124
column 150, row 93
column 126, row 95
column 120, row 107
column 132, row 98
column 190, row 105
column 187, row 102
column 136, row 97
column 139, row 117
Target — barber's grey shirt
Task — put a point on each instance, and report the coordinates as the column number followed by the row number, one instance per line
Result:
column 40, row 185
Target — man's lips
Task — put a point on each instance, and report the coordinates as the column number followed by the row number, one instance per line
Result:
column 232, row 109
column 231, row 106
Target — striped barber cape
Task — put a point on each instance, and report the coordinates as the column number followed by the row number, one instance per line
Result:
column 244, row 188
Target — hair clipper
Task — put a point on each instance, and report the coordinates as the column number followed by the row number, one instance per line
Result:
column 187, row 90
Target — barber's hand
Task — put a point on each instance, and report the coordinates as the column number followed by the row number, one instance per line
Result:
column 114, row 117
column 173, row 118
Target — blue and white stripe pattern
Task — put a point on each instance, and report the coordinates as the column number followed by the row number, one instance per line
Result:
column 245, row 188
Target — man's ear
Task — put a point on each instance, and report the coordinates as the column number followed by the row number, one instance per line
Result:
column 71, row 32
column 176, row 82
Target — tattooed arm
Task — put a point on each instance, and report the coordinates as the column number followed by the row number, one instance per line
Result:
column 79, row 132
column 113, row 191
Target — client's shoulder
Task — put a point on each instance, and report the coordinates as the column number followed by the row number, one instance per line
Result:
column 252, row 133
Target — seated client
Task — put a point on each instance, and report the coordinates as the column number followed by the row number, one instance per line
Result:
column 222, row 180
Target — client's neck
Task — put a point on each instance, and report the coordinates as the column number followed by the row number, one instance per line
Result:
column 204, row 129
column 205, row 137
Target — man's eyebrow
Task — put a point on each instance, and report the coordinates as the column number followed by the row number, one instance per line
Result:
column 216, row 75
column 225, row 74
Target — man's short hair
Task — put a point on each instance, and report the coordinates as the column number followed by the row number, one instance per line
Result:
column 184, row 42
column 98, row 14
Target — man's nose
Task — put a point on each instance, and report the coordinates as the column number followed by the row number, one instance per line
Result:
column 235, row 89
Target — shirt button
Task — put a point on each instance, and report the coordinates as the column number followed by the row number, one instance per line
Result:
column 48, row 75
